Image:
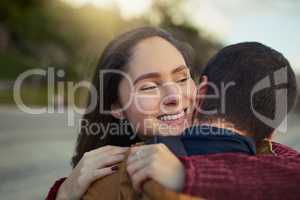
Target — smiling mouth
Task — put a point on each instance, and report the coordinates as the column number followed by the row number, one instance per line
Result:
column 172, row 117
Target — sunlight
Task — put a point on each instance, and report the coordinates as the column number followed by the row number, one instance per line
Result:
column 128, row 8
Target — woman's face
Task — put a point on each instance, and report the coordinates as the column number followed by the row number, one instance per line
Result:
column 158, row 94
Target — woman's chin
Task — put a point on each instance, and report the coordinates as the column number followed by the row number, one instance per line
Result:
column 171, row 130
column 156, row 127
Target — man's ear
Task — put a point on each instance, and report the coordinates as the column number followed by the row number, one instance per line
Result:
column 201, row 91
column 116, row 111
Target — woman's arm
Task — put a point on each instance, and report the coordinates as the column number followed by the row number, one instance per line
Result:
column 54, row 189
column 238, row 176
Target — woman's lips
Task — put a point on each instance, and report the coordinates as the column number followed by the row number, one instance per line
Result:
column 173, row 119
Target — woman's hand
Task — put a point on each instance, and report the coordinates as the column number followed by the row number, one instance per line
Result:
column 93, row 165
column 156, row 162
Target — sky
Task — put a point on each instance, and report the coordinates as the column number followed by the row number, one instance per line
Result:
column 275, row 23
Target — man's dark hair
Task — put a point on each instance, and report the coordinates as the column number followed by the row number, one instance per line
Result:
column 251, row 67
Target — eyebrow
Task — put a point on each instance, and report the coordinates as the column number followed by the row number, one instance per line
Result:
column 156, row 74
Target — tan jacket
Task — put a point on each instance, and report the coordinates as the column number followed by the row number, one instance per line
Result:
column 118, row 186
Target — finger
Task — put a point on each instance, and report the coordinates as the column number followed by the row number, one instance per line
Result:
column 109, row 149
column 143, row 148
column 110, row 160
column 145, row 151
column 98, row 155
column 102, row 161
column 138, row 155
column 140, row 177
column 116, row 151
column 88, row 175
column 133, row 167
column 135, row 149
column 100, row 173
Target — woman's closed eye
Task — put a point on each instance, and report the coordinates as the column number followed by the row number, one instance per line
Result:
column 148, row 87
column 181, row 80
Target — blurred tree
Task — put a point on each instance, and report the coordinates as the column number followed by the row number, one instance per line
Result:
column 33, row 41
column 170, row 16
column 51, row 33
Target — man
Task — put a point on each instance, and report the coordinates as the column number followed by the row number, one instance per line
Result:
column 250, row 90
column 259, row 89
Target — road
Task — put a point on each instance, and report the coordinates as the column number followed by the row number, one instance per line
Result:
column 35, row 150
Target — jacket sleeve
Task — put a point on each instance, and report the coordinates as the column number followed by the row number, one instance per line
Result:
column 54, row 189
column 238, row 176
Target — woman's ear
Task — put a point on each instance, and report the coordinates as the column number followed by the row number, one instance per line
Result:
column 116, row 111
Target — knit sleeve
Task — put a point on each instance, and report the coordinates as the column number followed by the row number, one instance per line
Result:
column 282, row 150
column 54, row 189
column 238, row 176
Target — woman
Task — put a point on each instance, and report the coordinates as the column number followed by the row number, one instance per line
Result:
column 158, row 100
column 163, row 95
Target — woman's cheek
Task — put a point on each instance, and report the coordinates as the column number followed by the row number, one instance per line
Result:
column 147, row 104
column 189, row 92
column 143, row 114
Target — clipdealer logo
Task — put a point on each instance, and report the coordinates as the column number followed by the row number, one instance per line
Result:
column 279, row 81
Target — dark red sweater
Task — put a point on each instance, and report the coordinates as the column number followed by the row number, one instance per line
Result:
column 238, row 176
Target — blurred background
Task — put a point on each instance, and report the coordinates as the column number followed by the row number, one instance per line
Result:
column 69, row 35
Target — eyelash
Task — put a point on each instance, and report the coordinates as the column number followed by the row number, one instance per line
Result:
column 148, row 88
column 183, row 80
column 153, row 87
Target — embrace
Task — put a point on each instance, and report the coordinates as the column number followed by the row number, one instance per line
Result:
column 157, row 132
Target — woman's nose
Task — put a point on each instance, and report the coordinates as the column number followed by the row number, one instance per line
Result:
column 172, row 95
column 171, row 100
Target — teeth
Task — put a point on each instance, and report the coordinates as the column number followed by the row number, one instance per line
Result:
column 172, row 117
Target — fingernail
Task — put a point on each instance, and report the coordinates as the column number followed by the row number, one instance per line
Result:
column 114, row 168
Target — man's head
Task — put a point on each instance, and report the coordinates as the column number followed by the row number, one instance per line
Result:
column 254, row 83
